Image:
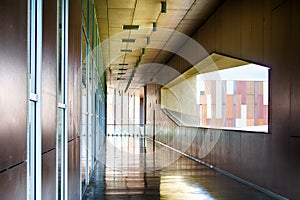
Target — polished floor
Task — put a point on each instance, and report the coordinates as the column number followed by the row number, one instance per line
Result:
column 132, row 168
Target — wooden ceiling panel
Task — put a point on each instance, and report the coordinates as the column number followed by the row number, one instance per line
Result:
column 148, row 14
column 144, row 23
column 165, row 22
column 147, row 9
column 182, row 4
column 103, row 29
column 103, row 37
column 174, row 14
column 121, row 4
column 160, row 35
column 132, row 57
column 117, row 23
column 102, row 12
column 183, row 15
column 113, row 31
column 121, row 14
column 101, row 8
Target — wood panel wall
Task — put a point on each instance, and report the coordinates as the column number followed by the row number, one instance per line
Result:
column 74, row 99
column 49, row 73
column 13, row 99
column 264, row 32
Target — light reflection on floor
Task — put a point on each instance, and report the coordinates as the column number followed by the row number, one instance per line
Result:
column 132, row 174
column 176, row 187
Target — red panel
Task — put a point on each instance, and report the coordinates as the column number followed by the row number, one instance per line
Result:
column 238, row 108
column 260, row 106
column 229, row 122
column 208, row 122
column 241, row 90
column 266, row 109
column 238, row 87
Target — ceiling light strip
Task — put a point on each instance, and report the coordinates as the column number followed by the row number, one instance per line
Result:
column 129, row 40
column 130, row 27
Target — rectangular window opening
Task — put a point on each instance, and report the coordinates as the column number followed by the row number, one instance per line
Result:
column 235, row 98
column 220, row 92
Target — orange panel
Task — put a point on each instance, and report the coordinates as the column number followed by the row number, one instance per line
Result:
column 250, row 111
column 260, row 122
column 229, row 106
column 218, row 122
column 250, row 122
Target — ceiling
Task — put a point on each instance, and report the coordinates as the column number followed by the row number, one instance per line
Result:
column 151, row 49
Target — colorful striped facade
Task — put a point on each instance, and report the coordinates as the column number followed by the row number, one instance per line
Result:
column 233, row 104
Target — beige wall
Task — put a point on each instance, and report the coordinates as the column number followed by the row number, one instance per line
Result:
column 181, row 97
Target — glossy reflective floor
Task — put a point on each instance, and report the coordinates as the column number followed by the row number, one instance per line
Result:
column 128, row 170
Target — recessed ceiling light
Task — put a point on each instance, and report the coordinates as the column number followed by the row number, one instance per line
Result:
column 125, row 50
column 163, row 7
column 154, row 26
column 131, row 27
column 130, row 40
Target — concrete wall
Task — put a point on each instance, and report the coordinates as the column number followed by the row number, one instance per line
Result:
column 184, row 95
column 264, row 32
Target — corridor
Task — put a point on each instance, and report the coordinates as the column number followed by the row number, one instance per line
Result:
column 149, row 99
column 130, row 173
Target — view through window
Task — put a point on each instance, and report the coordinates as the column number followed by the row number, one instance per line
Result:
column 234, row 98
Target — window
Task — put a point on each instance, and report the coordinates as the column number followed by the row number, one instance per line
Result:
column 220, row 92
column 234, row 98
